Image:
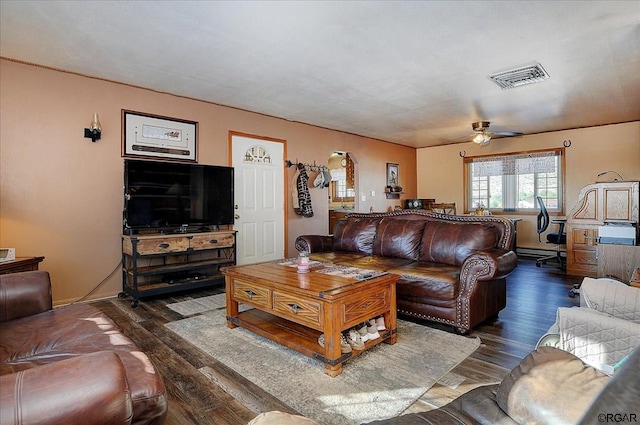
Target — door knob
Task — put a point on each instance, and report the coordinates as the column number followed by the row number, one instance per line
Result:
column 236, row 216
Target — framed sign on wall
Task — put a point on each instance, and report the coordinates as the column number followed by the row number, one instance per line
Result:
column 392, row 174
column 155, row 136
column 393, row 188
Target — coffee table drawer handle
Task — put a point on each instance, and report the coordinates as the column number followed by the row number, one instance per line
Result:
column 250, row 294
column 295, row 308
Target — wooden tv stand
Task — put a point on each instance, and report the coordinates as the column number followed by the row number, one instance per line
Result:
column 155, row 264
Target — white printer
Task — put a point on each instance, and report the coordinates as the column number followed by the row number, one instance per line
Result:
column 616, row 232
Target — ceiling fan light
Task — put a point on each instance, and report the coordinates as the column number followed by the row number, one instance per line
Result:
column 479, row 138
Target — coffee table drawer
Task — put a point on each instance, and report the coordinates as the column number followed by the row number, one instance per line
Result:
column 298, row 310
column 245, row 292
column 359, row 307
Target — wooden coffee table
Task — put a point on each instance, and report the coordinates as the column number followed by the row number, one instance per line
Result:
column 294, row 309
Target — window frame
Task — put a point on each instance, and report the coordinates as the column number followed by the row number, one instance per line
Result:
column 561, row 182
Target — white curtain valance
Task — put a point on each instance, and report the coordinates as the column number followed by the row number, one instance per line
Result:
column 542, row 162
column 338, row 174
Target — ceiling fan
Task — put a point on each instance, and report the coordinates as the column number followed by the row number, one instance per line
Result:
column 482, row 136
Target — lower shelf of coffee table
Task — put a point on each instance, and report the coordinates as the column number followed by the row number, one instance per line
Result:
column 295, row 336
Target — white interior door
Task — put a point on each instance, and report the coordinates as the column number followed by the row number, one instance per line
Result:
column 259, row 198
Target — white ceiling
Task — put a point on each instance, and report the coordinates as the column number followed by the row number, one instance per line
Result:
column 410, row 72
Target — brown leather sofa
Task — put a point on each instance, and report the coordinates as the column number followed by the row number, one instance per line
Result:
column 452, row 268
column 549, row 386
column 69, row 364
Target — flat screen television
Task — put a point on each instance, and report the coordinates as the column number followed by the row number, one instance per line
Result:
column 171, row 196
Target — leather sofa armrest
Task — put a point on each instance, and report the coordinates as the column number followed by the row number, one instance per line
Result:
column 89, row 389
column 620, row 396
column 314, row 243
column 24, row 294
column 549, row 386
column 488, row 265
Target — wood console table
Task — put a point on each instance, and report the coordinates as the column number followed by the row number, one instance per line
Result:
column 20, row 264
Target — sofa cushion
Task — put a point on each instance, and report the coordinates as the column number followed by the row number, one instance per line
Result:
column 373, row 262
column 452, row 243
column 355, row 234
column 398, row 238
column 335, row 256
column 549, row 386
column 428, row 280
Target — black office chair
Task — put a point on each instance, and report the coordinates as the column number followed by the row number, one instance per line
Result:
column 557, row 238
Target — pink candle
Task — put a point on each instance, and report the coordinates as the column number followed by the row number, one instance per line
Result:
column 303, row 262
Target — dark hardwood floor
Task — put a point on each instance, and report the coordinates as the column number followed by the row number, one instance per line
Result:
column 194, row 380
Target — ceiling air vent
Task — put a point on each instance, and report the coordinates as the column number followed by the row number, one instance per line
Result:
column 520, row 76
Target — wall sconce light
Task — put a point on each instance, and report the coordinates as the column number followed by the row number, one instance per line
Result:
column 94, row 130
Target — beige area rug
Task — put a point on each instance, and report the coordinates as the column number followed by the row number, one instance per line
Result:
column 199, row 305
column 379, row 384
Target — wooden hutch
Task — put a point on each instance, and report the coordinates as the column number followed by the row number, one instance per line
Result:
column 597, row 203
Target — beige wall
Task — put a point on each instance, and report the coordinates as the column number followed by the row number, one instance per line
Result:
column 592, row 150
column 61, row 194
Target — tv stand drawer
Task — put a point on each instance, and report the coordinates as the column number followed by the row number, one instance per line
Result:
column 149, row 245
column 212, row 240
column 159, row 246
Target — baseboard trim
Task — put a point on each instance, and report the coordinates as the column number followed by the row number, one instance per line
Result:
column 536, row 252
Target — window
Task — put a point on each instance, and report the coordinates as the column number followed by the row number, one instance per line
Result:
column 339, row 188
column 511, row 182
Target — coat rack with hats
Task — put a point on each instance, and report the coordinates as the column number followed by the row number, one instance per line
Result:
column 308, row 167
column 322, row 180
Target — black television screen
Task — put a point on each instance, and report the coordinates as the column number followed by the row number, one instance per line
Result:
column 169, row 195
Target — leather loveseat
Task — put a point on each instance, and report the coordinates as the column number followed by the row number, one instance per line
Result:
column 548, row 387
column 69, row 364
column 452, row 268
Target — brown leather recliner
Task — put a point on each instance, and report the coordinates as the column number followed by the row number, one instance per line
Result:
column 70, row 364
